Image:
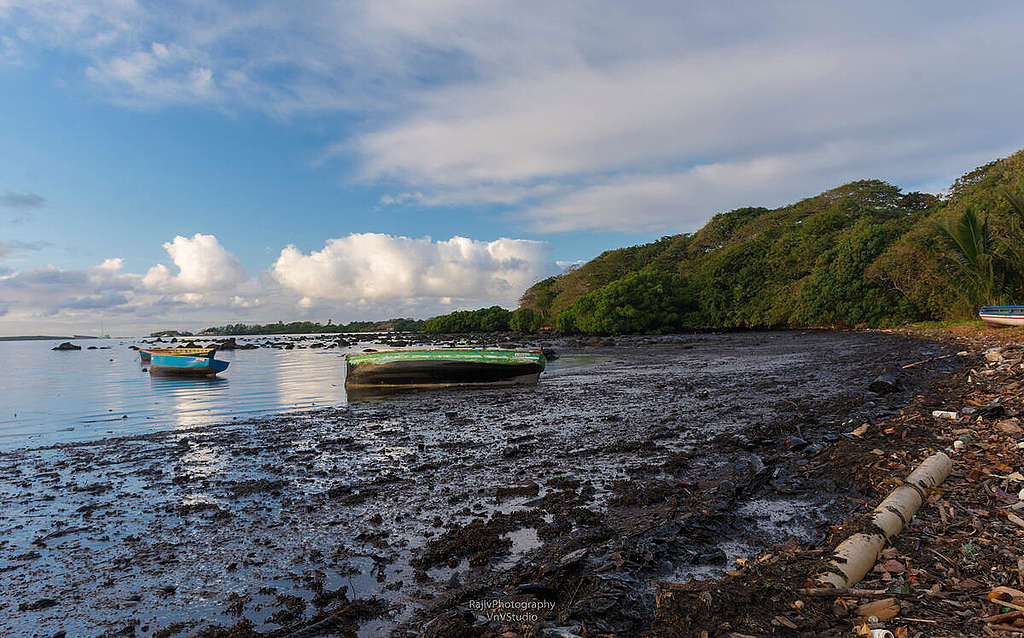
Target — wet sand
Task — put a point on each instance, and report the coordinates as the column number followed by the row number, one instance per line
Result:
column 418, row 504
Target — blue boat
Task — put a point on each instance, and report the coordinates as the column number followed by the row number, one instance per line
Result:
column 147, row 353
column 186, row 366
column 998, row 316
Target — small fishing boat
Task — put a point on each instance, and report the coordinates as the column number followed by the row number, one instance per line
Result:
column 146, row 353
column 441, row 368
column 187, row 366
column 999, row 316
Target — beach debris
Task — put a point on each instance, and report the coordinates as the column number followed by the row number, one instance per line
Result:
column 1009, row 426
column 855, row 556
column 944, row 414
column 880, row 610
column 992, row 410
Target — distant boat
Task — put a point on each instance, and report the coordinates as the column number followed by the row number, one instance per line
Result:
column 186, row 366
column 146, row 353
column 441, row 368
column 999, row 316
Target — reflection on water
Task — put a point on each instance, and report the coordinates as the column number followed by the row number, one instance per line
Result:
column 88, row 394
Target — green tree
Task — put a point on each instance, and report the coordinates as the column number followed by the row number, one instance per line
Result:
column 640, row 303
column 972, row 252
column 524, row 320
column 493, row 319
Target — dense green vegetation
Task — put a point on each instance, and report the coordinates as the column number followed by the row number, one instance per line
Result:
column 642, row 302
column 491, row 319
column 310, row 327
column 861, row 254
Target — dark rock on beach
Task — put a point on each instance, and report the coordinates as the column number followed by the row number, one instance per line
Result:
column 67, row 345
column 885, row 383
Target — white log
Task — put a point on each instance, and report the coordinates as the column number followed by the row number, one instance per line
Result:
column 855, row 556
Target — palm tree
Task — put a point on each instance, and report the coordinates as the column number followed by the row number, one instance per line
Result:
column 1012, row 249
column 973, row 252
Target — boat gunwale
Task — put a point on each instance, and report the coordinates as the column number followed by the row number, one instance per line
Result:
column 533, row 355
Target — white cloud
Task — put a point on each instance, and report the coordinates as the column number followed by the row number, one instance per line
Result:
column 353, row 277
column 377, row 267
column 203, row 265
column 576, row 116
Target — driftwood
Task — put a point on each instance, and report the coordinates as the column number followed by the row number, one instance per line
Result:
column 852, row 592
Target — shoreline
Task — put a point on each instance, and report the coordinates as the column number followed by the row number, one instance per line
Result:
column 935, row 577
column 635, row 474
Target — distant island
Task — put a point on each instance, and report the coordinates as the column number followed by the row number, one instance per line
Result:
column 44, row 337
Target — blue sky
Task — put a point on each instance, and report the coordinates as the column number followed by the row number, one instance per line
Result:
column 181, row 164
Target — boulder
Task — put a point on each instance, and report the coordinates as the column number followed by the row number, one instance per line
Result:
column 885, row 383
column 67, row 345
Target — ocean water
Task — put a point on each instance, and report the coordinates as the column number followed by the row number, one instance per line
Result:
column 51, row 396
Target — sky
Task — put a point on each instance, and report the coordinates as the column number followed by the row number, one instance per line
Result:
column 182, row 164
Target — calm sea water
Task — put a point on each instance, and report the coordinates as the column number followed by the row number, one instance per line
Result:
column 48, row 396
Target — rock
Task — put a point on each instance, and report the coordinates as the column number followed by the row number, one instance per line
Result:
column 538, row 590
column 572, row 557
column 228, row 344
column 994, row 355
column 992, row 410
column 716, row 557
column 1009, row 426
column 726, row 490
column 42, row 603
column 67, row 345
column 795, row 443
column 549, row 353
column 885, row 383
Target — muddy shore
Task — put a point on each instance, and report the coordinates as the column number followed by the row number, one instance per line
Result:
column 544, row 511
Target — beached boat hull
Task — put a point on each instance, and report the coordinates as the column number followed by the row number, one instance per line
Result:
column 176, row 365
column 442, row 368
column 1001, row 316
column 147, row 353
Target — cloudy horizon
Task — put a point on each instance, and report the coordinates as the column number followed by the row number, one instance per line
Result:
column 185, row 164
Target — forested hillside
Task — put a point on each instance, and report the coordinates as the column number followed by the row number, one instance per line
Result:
column 860, row 254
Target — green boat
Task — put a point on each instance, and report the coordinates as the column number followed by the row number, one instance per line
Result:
column 442, row 368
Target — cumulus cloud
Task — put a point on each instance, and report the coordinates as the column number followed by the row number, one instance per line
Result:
column 375, row 267
column 203, row 265
column 358, row 276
